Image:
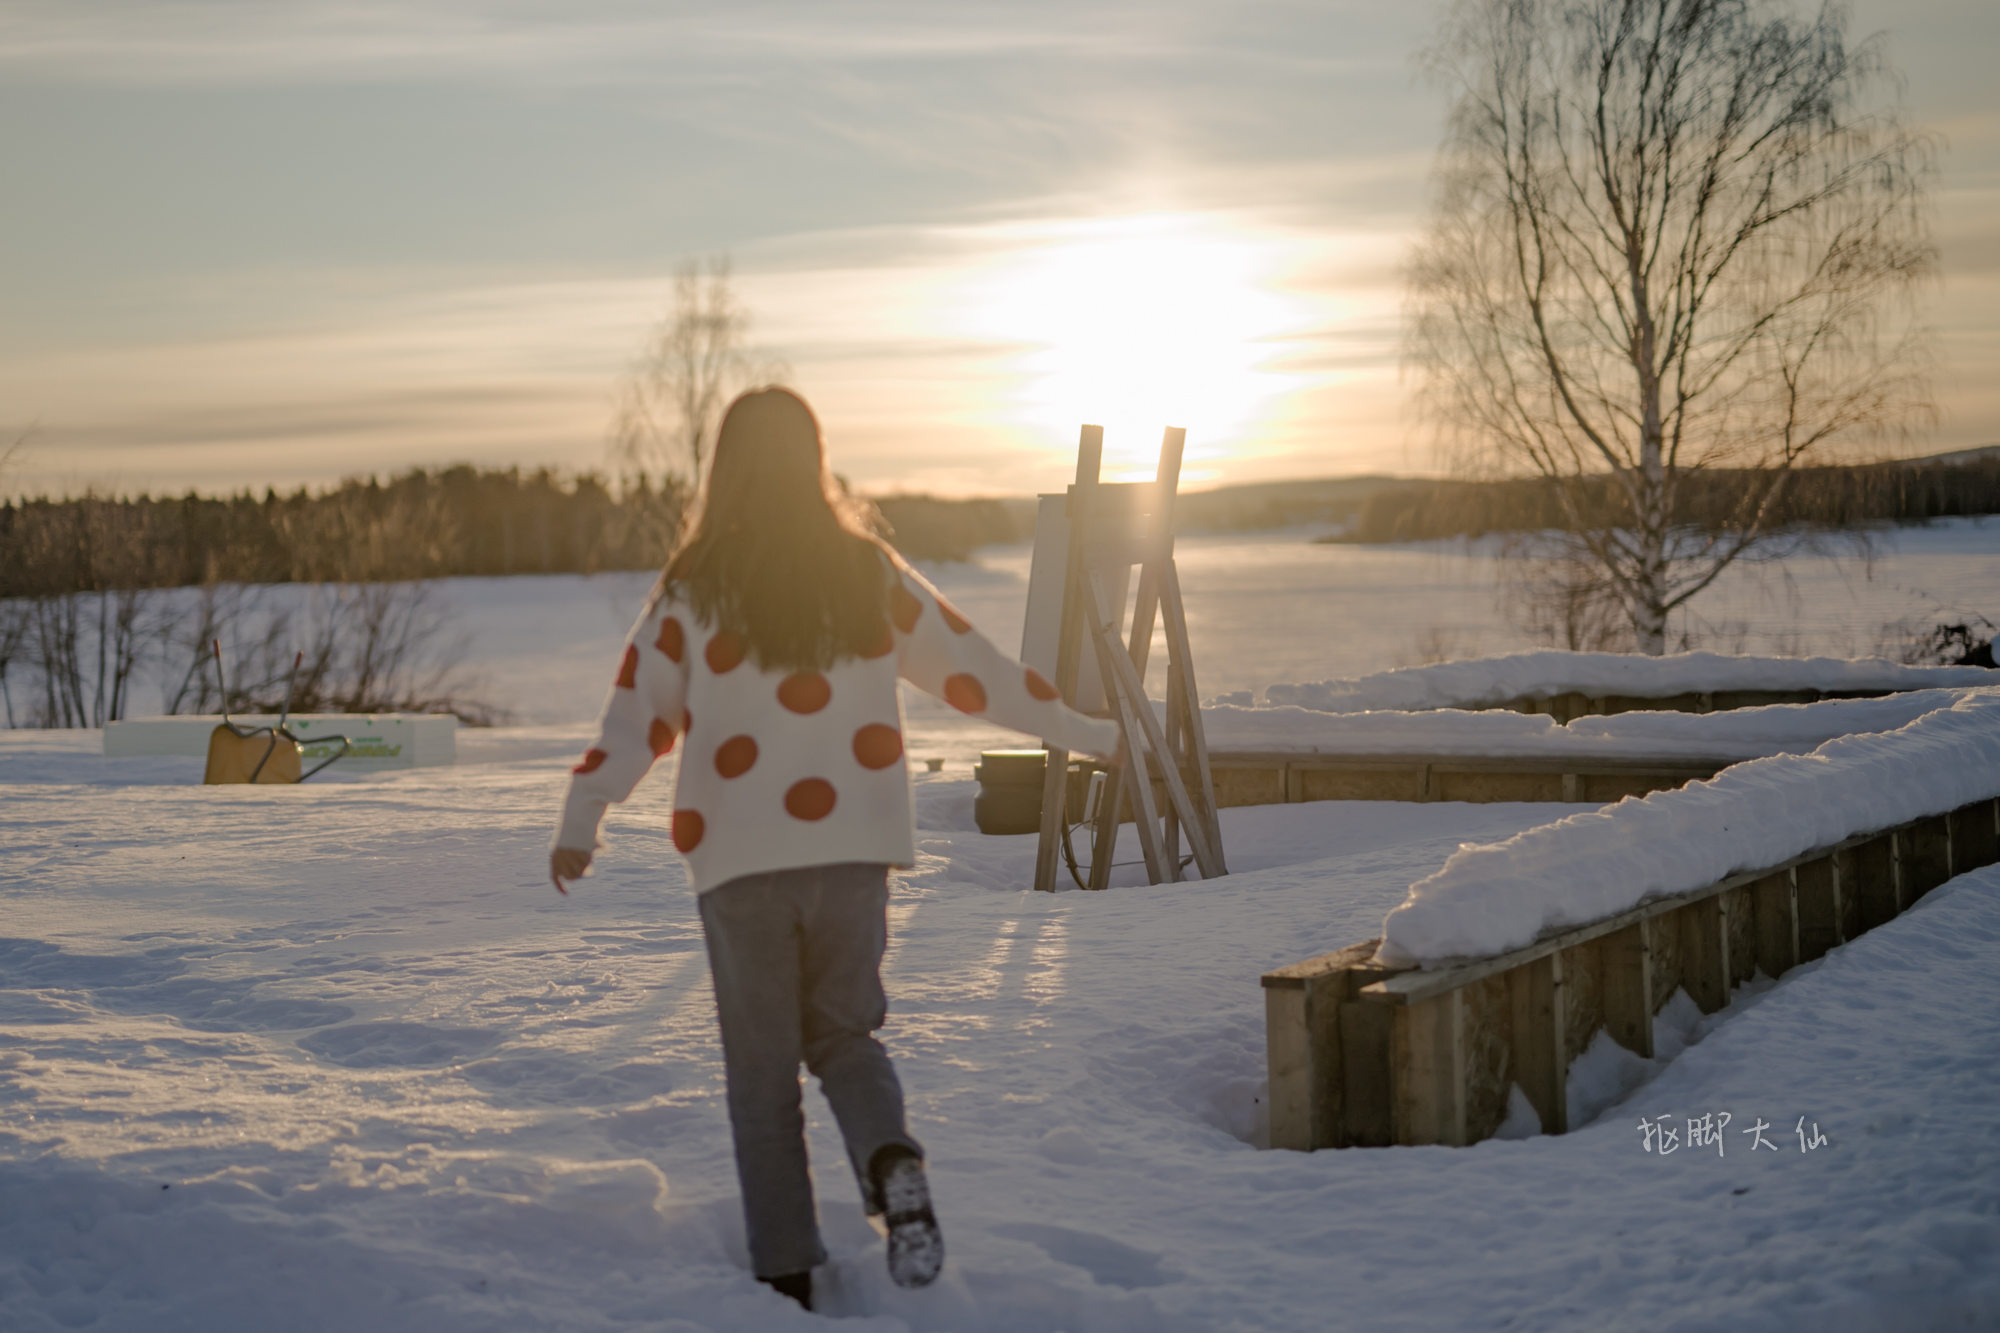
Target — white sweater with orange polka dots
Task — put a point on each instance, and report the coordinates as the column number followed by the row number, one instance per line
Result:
column 785, row 769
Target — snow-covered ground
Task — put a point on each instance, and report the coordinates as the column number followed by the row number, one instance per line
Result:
column 336, row 1057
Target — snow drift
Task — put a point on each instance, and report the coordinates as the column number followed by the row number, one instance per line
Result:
column 1488, row 899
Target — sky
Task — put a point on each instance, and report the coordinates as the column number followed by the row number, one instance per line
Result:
column 251, row 242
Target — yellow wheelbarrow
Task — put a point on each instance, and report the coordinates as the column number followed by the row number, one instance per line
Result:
column 238, row 753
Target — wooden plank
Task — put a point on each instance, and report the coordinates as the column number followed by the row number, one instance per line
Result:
column 1428, row 1049
column 1133, row 715
column 1289, row 1065
column 1489, row 1057
column 1927, row 859
column 1541, row 1064
column 1774, row 900
column 1582, row 998
column 1846, row 888
column 1742, row 935
column 1974, row 844
column 1295, row 975
column 1818, row 899
column 1704, row 926
column 1368, row 1081
column 1663, row 941
column 1873, row 887
column 1627, row 960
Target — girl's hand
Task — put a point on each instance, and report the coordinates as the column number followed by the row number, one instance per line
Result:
column 567, row 863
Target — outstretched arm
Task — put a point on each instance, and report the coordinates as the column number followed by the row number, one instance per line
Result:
column 643, row 717
column 939, row 652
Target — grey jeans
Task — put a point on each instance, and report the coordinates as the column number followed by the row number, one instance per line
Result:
column 796, row 956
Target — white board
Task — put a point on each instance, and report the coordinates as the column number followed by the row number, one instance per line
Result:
column 1041, row 632
column 381, row 740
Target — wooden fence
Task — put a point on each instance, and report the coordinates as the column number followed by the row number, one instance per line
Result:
column 1367, row 1056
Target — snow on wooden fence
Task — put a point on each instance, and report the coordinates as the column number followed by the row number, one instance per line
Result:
column 1278, row 755
column 1572, row 685
column 1501, row 968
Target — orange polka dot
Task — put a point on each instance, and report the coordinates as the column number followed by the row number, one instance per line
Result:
column 660, row 736
column 1039, row 687
column 687, row 722
column 592, row 760
column 883, row 646
column 805, row 692
column 965, row 693
column 904, row 608
column 628, row 670
column 724, row 652
column 734, row 756
column 878, row 745
column 959, row 624
column 688, row 828
column 811, row 799
column 672, row 640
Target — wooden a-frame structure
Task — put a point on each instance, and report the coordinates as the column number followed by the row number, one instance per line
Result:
column 1112, row 527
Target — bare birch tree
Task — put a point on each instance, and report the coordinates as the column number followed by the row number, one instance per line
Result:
column 1667, row 235
column 692, row 362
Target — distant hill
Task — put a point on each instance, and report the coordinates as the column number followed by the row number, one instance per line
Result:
column 930, row 527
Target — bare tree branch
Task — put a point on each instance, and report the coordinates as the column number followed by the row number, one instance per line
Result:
column 1668, row 235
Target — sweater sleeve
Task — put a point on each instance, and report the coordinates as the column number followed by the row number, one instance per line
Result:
column 939, row 652
column 643, row 716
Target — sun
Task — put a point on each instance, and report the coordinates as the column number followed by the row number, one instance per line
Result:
column 1135, row 324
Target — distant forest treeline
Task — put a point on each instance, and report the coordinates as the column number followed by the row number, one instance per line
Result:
column 466, row 521
column 1822, row 497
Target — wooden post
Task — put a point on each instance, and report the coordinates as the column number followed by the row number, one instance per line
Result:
column 1303, row 1028
column 1628, row 989
column 1705, row 952
column 1428, row 1047
column 1541, row 1051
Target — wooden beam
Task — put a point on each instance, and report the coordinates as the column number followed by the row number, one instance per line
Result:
column 1628, row 988
column 1134, row 706
column 1069, row 651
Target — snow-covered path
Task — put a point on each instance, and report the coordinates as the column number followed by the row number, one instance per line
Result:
column 336, row 1057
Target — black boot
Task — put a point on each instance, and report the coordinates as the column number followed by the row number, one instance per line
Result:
column 903, row 1197
column 798, row 1286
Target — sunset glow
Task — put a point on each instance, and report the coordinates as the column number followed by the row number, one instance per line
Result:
column 1139, row 323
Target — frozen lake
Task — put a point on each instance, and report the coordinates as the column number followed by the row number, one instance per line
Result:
column 1267, row 608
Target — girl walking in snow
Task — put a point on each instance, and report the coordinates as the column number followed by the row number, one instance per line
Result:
column 770, row 654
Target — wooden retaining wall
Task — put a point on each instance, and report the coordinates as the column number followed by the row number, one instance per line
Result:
column 1248, row 777
column 1365, row 1056
column 1566, row 708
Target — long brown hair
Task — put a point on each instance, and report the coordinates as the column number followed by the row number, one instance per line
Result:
column 778, row 554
